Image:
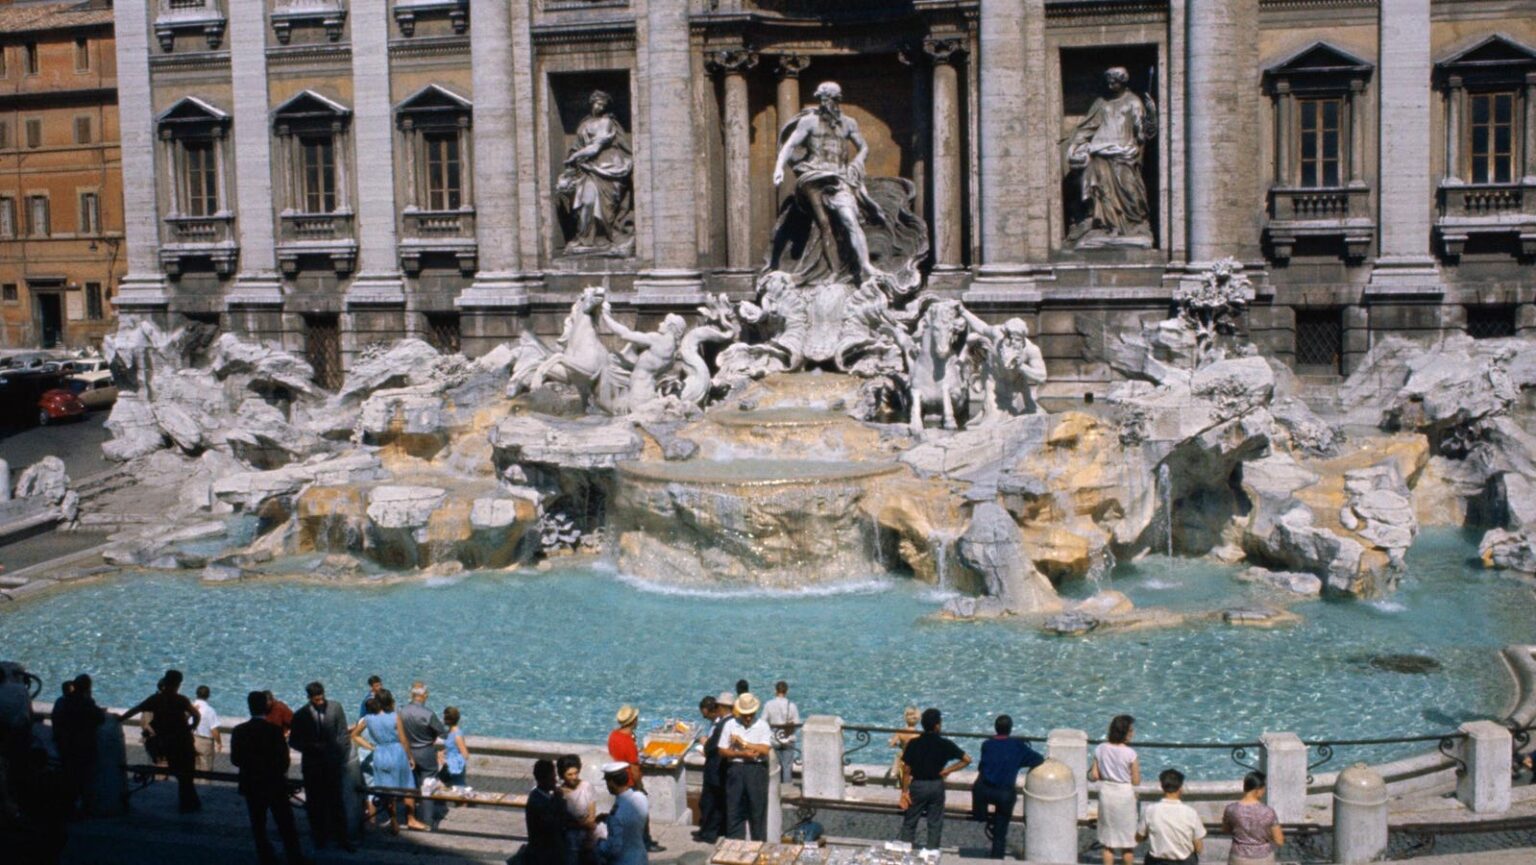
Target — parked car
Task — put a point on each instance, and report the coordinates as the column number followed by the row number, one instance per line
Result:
column 95, row 389
column 86, row 364
column 58, row 404
column 20, row 391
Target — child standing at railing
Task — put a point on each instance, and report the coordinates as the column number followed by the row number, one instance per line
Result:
column 455, row 751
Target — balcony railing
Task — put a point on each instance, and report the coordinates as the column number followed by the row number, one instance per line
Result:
column 408, row 11
column 203, row 16
column 428, row 224
column 201, row 229
column 317, row 226
column 442, row 232
column 209, row 237
column 330, row 14
column 1489, row 209
column 1331, row 212
column 326, row 235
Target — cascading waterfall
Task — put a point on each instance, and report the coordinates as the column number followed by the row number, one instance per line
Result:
column 941, row 560
column 1165, row 484
column 877, row 550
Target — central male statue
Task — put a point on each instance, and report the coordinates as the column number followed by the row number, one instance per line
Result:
column 829, row 183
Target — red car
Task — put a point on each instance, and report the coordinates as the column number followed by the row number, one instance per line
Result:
column 58, row 404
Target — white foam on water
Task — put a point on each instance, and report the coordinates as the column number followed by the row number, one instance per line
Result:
column 1156, row 583
column 937, row 595
column 1387, row 605
column 868, row 586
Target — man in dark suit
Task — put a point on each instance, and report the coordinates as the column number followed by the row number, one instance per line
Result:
column 547, row 818
column 259, row 751
column 321, row 737
column 712, row 791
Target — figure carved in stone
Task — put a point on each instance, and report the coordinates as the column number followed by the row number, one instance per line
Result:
column 580, row 360
column 1013, row 368
column 658, row 352
column 1107, row 149
column 838, row 224
column 1211, row 307
column 595, row 188
column 938, row 363
column 718, row 323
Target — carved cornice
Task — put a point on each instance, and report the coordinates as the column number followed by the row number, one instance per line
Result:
column 1107, row 11
column 429, row 46
column 607, row 32
column 200, row 61
column 319, row 54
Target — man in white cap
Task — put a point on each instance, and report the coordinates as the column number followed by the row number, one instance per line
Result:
column 712, row 825
column 621, row 832
column 745, row 741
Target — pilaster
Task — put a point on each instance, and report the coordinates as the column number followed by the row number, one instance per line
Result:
column 378, row 282
column 732, row 65
column 257, row 282
column 144, row 285
column 1405, row 264
column 1222, row 188
column 787, row 99
column 946, row 154
column 671, row 277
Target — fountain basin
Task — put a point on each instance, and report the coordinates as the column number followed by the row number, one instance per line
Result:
column 760, row 523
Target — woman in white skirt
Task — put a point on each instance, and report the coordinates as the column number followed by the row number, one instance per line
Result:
column 1118, row 771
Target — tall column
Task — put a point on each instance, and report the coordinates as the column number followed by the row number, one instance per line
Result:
column 670, row 210
column 378, row 278
column 732, row 66
column 1530, row 128
column 1222, row 71
column 787, row 98
column 257, row 282
column 946, row 155
column 143, row 288
column 1405, row 264
column 500, row 281
column 1014, row 219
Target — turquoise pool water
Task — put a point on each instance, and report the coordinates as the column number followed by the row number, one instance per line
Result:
column 551, row 655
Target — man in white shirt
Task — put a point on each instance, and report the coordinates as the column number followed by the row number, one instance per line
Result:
column 745, row 741
column 783, row 718
column 206, row 739
column 1173, row 829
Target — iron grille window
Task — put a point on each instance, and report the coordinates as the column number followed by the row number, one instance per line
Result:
column 444, row 175
column 322, row 348
column 1319, row 151
column 318, row 155
column 1490, row 321
column 202, row 178
column 443, row 331
column 1492, row 130
column 1319, row 339
column 93, row 308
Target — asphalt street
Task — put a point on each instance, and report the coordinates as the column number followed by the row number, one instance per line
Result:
column 77, row 442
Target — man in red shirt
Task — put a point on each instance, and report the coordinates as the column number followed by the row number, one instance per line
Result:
column 278, row 714
column 623, row 748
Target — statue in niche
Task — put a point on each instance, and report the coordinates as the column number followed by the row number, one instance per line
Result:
column 839, row 226
column 594, row 190
column 1013, row 367
column 1106, row 149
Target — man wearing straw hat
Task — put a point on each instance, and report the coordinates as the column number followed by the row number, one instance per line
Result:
column 623, row 748
column 745, row 741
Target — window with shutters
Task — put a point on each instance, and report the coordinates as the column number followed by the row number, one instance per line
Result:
column 200, row 172
column 38, row 222
column 1491, row 136
column 29, row 58
column 34, row 132
column 82, row 55
column 83, row 130
column 317, row 157
column 1318, row 150
column 90, row 213
column 444, row 187
column 7, row 217
column 93, row 304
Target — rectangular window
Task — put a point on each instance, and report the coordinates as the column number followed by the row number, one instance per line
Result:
column 34, row 133
column 5, row 70
column 1492, row 131
column 202, row 176
column 90, row 213
column 38, row 222
column 82, row 130
column 7, row 217
column 5, row 135
column 93, row 301
column 29, row 53
column 8, row 292
column 1319, row 145
column 1491, row 321
column 318, row 171
column 1319, row 340
column 444, row 172
column 82, row 55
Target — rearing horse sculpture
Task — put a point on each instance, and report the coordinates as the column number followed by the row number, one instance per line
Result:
column 580, row 361
column 936, row 362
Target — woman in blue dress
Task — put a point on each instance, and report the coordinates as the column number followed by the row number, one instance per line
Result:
column 382, row 733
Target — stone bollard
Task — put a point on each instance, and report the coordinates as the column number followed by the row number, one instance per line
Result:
column 109, row 789
column 1487, row 750
column 1050, row 813
column 1070, row 747
column 5, row 481
column 1285, row 765
column 821, row 763
column 775, row 828
column 666, row 787
column 1359, row 816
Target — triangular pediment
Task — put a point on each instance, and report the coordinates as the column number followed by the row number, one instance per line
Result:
column 1495, row 50
column 309, row 105
column 435, row 97
column 190, row 109
column 1321, row 57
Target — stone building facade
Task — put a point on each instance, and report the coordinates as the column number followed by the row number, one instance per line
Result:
column 61, row 237
column 329, row 174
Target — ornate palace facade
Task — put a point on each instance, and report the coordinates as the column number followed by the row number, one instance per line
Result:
column 330, row 174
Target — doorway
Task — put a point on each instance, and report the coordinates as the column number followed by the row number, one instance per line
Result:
column 50, row 318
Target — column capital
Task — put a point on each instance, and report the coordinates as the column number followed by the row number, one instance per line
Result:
column 730, row 61
column 791, row 65
column 943, row 50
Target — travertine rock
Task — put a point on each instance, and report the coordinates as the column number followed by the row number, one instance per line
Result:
column 1293, row 582
column 586, row 443
column 993, row 547
column 45, row 480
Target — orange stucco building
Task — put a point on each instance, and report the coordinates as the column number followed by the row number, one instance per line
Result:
column 60, row 174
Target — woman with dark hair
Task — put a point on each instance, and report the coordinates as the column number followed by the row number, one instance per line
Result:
column 581, row 802
column 385, row 737
column 1255, row 831
column 1118, row 771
